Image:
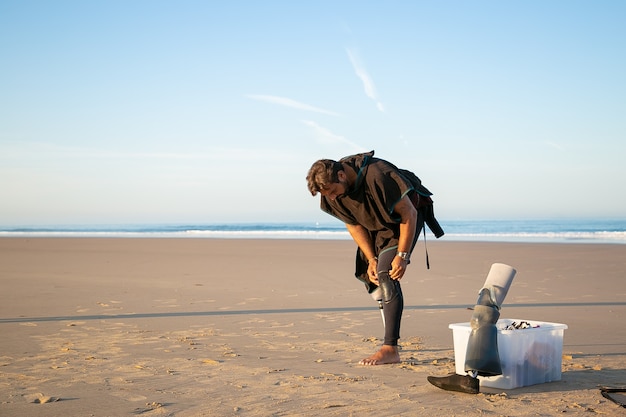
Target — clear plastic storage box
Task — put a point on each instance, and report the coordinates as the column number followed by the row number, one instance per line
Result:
column 528, row 356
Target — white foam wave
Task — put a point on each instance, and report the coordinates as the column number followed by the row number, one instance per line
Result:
column 216, row 234
column 557, row 237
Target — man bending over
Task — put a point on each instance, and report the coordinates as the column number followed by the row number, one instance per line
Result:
column 384, row 209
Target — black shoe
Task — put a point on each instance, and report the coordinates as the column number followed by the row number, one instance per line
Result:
column 456, row 382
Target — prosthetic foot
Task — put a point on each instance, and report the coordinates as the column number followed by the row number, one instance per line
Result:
column 482, row 356
column 456, row 382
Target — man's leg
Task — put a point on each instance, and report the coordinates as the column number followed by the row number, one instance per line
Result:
column 393, row 304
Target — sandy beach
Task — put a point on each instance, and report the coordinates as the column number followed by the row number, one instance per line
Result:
column 234, row 327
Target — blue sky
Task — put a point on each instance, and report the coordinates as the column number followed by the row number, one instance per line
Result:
column 206, row 111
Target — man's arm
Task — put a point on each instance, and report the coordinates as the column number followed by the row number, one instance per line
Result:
column 362, row 238
column 408, row 224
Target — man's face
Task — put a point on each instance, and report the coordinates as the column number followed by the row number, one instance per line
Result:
column 336, row 189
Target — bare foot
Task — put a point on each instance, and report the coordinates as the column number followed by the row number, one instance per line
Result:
column 386, row 355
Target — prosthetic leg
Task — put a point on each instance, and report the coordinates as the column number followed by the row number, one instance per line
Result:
column 482, row 356
column 377, row 295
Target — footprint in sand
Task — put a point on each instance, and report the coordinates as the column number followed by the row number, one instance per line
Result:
column 39, row 398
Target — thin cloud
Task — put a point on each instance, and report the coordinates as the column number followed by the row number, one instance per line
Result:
column 42, row 151
column 324, row 135
column 287, row 102
column 555, row 145
column 368, row 83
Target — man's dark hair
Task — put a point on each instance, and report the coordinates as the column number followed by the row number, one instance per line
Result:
column 322, row 174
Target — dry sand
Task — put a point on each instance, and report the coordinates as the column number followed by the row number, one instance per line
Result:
column 202, row 327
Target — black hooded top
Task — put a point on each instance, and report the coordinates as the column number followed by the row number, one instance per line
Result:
column 379, row 186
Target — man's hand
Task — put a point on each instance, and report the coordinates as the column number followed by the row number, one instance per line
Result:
column 372, row 271
column 398, row 268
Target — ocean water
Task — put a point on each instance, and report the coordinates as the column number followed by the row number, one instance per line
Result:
column 555, row 230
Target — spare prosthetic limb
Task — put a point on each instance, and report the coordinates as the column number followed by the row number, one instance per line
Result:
column 482, row 356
